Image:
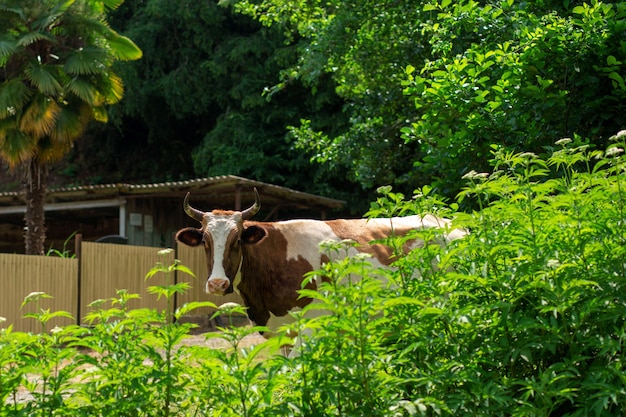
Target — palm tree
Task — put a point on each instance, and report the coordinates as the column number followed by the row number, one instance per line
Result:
column 56, row 75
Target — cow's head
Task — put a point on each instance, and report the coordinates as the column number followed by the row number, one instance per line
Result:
column 222, row 234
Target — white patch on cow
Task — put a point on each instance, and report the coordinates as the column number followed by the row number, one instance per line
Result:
column 420, row 223
column 303, row 239
column 220, row 228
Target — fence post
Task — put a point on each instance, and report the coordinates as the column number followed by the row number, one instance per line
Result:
column 175, row 306
column 78, row 243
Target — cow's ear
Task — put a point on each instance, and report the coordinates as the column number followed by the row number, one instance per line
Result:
column 189, row 236
column 253, row 234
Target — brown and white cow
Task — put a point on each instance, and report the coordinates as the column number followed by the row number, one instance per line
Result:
column 265, row 261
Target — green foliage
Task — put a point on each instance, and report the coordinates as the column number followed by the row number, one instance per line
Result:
column 65, row 252
column 474, row 73
column 518, row 76
column 55, row 74
column 363, row 46
column 199, row 102
column 522, row 317
column 529, row 320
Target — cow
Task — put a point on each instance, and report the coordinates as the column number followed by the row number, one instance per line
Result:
column 265, row 261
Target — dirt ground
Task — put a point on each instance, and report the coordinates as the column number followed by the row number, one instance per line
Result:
column 197, row 336
column 217, row 343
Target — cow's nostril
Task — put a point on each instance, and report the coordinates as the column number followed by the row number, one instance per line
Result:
column 217, row 285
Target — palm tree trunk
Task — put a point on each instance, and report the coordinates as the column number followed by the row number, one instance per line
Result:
column 35, row 184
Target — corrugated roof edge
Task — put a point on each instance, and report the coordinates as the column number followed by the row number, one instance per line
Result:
column 126, row 189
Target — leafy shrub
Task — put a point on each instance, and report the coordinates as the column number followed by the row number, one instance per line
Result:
column 514, row 73
column 523, row 317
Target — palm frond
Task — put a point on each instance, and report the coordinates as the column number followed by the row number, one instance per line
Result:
column 87, row 24
column 89, row 60
column 85, row 90
column 43, row 77
column 100, row 114
column 17, row 11
column 71, row 122
column 112, row 4
column 15, row 146
column 50, row 151
column 32, row 37
column 124, row 49
column 8, row 46
column 49, row 18
column 114, row 89
column 14, row 94
column 39, row 118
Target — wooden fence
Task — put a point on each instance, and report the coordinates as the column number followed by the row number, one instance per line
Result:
column 98, row 272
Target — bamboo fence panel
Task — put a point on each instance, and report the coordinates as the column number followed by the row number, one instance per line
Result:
column 107, row 268
column 21, row 275
column 194, row 258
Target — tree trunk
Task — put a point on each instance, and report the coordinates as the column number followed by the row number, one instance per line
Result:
column 34, row 184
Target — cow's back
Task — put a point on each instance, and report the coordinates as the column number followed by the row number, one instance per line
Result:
column 273, row 269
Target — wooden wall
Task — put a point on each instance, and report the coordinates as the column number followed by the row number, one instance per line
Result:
column 101, row 270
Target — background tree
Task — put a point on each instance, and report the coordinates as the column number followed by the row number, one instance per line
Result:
column 55, row 76
column 195, row 104
column 395, row 92
column 479, row 72
column 522, row 77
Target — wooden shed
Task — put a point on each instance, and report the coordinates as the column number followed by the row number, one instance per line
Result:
column 149, row 214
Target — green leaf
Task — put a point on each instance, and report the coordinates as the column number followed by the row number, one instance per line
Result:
column 112, row 4
column 44, row 78
column 14, row 94
column 8, row 46
column 618, row 78
column 87, row 61
column 124, row 49
column 32, row 37
column 189, row 307
column 35, row 296
column 100, row 114
column 85, row 90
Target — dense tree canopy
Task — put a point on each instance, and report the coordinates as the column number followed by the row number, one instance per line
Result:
column 339, row 97
column 196, row 104
column 477, row 73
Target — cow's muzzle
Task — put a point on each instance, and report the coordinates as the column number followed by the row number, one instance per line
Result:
column 217, row 286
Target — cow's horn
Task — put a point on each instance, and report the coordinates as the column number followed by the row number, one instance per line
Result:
column 254, row 209
column 192, row 212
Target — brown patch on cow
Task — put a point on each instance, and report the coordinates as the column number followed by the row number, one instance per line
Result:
column 189, row 236
column 270, row 281
column 219, row 212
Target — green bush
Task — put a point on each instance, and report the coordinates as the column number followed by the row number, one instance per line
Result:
column 523, row 317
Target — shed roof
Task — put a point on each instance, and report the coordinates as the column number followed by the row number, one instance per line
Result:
column 212, row 192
